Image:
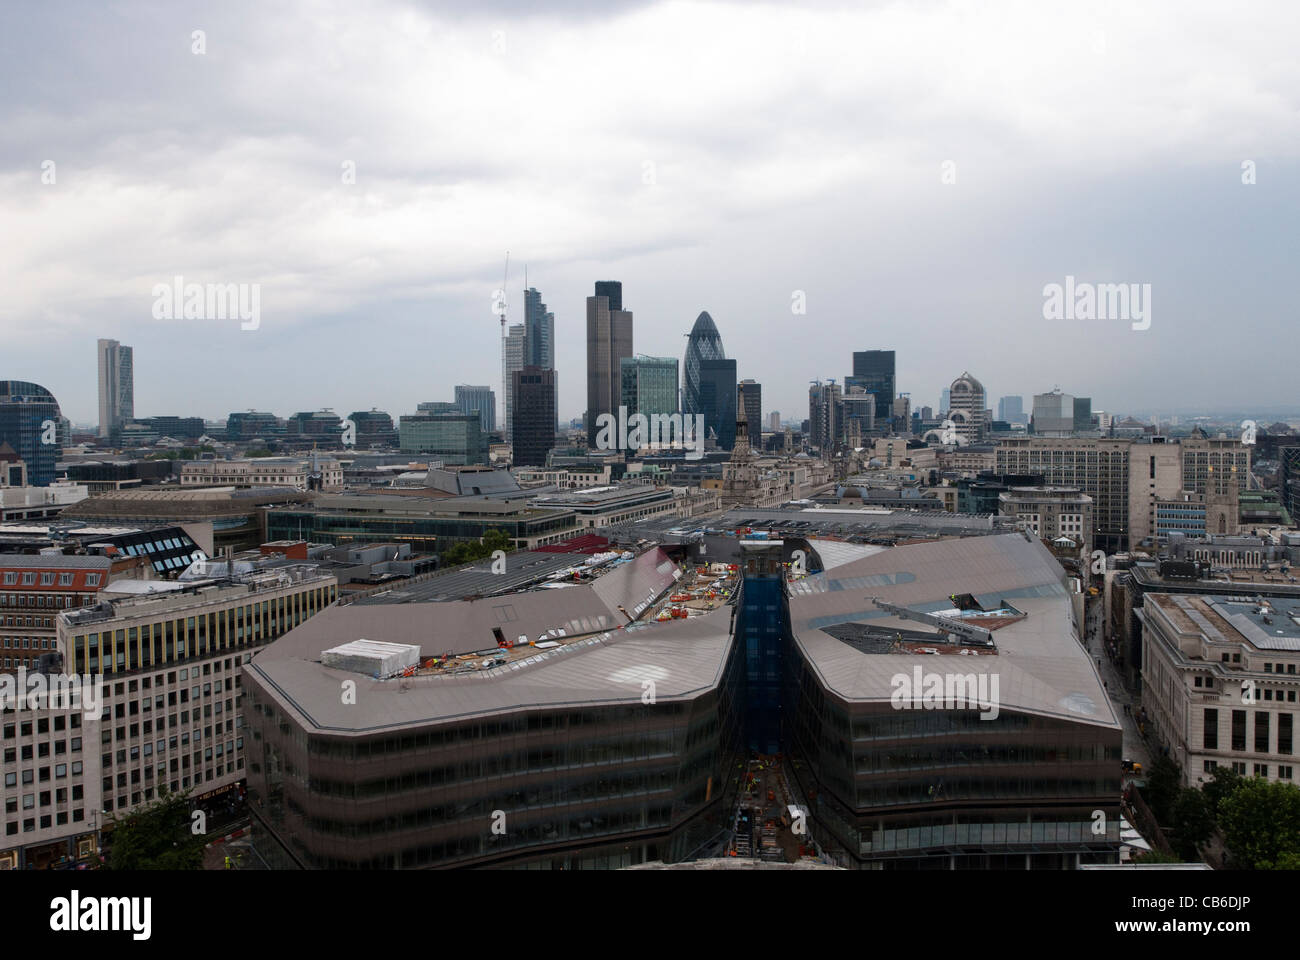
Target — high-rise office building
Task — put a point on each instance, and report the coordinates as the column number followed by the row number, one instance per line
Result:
column 515, row 344
column 539, row 332
column 29, row 422
column 859, row 414
column 966, row 408
column 481, row 400
column 609, row 340
column 534, row 426
column 1082, row 414
column 649, row 385
column 717, row 386
column 454, row 438
column 116, row 387
column 749, row 403
column 873, row 370
column 703, row 343
column 1012, row 409
column 774, row 421
column 945, row 400
column 825, row 410
column 1053, row 414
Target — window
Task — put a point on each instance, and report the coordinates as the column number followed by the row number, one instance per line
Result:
column 1239, row 733
column 1211, row 730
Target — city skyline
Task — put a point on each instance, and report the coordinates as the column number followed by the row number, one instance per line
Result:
column 363, row 222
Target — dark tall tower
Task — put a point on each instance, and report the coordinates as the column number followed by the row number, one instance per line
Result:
column 539, row 332
column 873, row 370
column 717, row 400
column 534, row 416
column 749, row 404
column 609, row 340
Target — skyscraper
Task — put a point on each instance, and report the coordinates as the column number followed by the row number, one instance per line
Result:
column 873, row 370
column 515, row 344
column 609, row 340
column 967, row 408
column 703, row 343
column 1012, row 409
column 539, row 332
column 481, row 400
column 717, row 398
column 534, row 426
column 116, row 387
column 749, row 403
column 825, row 412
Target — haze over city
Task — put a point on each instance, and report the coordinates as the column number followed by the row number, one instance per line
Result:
column 919, row 173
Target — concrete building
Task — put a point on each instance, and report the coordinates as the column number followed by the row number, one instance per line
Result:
column 825, row 411
column 1062, row 516
column 967, row 408
column 609, row 340
column 116, row 387
column 294, row 473
column 1220, row 683
column 170, row 656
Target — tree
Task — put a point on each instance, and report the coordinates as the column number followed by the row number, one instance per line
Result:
column 1221, row 786
column 157, row 836
column 1155, row 856
column 1162, row 788
column 1192, row 822
column 1261, row 824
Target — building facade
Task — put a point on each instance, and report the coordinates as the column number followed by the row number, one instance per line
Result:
column 116, row 387
column 481, row 400
column 609, row 340
column 533, row 429
column 29, row 423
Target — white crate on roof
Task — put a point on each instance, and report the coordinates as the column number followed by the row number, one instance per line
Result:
column 371, row 657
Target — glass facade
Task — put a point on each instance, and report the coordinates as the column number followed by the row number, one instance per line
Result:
column 29, row 417
column 649, row 385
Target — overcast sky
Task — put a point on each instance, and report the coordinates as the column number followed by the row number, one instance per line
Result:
column 711, row 156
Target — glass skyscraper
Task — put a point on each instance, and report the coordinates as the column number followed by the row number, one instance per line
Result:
column 717, row 392
column 649, row 385
column 873, row 370
column 609, row 340
column 29, row 419
column 704, row 343
column 116, row 387
column 539, row 332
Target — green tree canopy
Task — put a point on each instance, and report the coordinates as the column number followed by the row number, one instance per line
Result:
column 1162, row 788
column 1192, row 823
column 157, row 836
column 1261, row 825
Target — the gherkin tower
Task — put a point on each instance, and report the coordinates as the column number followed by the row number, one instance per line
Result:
column 704, row 343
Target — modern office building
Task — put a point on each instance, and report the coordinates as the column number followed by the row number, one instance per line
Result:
column 29, row 423
column 1011, row 409
column 171, row 656
column 945, row 398
column 703, row 343
column 116, row 387
column 539, row 332
column 1220, row 683
column 609, row 340
column 480, row 400
column 1288, row 479
column 967, row 409
column 254, row 425
column 825, row 410
column 515, row 347
column 749, row 406
column 717, row 400
column 873, row 370
column 374, row 428
column 533, row 430
column 858, row 418
column 1082, row 414
column 453, row 438
column 1054, row 414
column 774, row 421
column 649, row 385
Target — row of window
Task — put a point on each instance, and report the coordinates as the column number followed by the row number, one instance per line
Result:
column 47, row 821
column 47, row 580
column 60, row 771
column 42, row 750
column 1284, row 771
column 1210, row 735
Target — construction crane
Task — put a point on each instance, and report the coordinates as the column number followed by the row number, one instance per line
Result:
column 969, row 634
column 505, row 373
